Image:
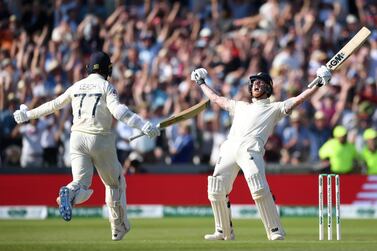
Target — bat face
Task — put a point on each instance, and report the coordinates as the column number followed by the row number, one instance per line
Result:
column 181, row 116
column 185, row 114
column 337, row 60
column 356, row 41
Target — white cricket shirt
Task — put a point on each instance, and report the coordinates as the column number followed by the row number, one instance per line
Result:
column 254, row 122
column 94, row 102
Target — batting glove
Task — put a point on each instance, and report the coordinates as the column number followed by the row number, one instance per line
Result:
column 199, row 75
column 21, row 116
column 324, row 75
column 150, row 130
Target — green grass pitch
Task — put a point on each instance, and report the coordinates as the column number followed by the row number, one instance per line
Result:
column 90, row 234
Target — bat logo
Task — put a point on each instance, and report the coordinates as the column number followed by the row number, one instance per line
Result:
column 352, row 45
column 338, row 58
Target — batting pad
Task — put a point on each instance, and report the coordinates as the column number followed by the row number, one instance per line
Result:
column 116, row 202
column 218, row 199
column 266, row 206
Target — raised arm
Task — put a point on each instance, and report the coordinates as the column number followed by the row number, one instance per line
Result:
column 292, row 103
column 23, row 115
column 199, row 76
column 324, row 74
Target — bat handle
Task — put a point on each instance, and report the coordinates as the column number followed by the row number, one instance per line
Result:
column 136, row 136
column 314, row 82
column 140, row 135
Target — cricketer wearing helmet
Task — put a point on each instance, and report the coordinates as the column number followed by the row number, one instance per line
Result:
column 92, row 144
column 243, row 149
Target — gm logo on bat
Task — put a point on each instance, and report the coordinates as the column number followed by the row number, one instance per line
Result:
column 337, row 59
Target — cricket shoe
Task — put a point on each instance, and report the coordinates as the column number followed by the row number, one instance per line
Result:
column 118, row 232
column 218, row 236
column 278, row 236
column 65, row 205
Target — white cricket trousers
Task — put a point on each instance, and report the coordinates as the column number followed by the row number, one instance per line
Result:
column 88, row 151
column 234, row 157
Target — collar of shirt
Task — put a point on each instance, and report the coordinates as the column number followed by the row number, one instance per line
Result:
column 95, row 75
column 261, row 101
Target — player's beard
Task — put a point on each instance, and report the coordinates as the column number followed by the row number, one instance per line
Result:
column 261, row 93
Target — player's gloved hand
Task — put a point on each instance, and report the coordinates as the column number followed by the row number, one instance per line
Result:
column 199, row 75
column 21, row 116
column 150, row 130
column 324, row 75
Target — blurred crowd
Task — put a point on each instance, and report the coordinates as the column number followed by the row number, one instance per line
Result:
column 154, row 45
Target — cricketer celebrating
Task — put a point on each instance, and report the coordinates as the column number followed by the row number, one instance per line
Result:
column 252, row 124
column 94, row 102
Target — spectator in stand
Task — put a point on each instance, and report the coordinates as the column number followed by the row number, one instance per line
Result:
column 372, row 57
column 207, row 126
column 182, row 149
column 32, row 151
column 339, row 152
column 155, row 44
column 369, row 153
column 327, row 106
column 364, row 121
column 219, row 135
column 124, row 132
column 369, row 91
column 319, row 133
column 367, row 11
column 133, row 164
column 273, row 149
column 50, row 142
column 64, row 135
column 8, row 105
column 144, row 146
column 296, row 140
column 288, row 57
column 12, row 156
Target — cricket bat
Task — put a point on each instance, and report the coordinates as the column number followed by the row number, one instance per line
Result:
column 181, row 116
column 336, row 61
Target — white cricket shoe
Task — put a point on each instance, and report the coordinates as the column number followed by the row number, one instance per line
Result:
column 217, row 236
column 277, row 236
column 118, row 232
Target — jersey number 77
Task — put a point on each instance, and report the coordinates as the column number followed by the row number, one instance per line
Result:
column 82, row 96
